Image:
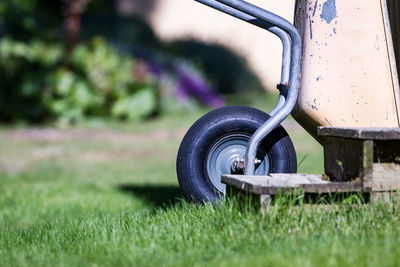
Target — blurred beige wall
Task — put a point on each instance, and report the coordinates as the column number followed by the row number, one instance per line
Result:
column 172, row 19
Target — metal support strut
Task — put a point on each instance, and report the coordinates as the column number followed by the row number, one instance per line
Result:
column 290, row 64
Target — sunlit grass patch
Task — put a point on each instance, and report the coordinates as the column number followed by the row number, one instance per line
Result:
column 109, row 196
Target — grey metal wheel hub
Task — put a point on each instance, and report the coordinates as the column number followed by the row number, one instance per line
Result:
column 225, row 153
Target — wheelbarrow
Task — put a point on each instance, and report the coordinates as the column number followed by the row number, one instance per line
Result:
column 338, row 80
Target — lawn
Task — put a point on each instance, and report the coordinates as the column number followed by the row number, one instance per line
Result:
column 107, row 194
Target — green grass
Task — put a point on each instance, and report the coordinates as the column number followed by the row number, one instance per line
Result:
column 107, row 195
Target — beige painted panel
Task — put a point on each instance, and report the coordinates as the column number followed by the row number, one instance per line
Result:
column 346, row 77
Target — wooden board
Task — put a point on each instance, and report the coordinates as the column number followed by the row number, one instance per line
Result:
column 348, row 159
column 356, row 160
column 371, row 133
column 371, row 155
column 288, row 183
column 386, row 177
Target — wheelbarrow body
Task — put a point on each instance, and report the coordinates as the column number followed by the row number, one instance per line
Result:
column 348, row 69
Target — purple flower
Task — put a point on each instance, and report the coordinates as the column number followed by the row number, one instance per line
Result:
column 191, row 83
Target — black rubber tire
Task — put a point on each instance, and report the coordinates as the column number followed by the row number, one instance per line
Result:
column 190, row 165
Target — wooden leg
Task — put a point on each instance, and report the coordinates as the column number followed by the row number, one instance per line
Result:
column 377, row 197
column 265, row 200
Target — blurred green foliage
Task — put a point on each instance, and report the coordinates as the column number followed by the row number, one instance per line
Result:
column 96, row 81
column 24, row 20
column 45, row 74
column 41, row 80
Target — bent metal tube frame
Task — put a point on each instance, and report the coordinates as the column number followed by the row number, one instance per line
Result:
column 291, row 57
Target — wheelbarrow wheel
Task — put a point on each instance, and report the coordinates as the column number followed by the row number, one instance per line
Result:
column 217, row 140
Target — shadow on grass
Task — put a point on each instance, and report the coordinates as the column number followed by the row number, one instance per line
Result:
column 157, row 195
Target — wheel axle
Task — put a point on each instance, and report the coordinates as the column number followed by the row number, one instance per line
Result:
column 238, row 165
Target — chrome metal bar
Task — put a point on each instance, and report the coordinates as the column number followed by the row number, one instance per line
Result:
column 286, row 43
column 292, row 93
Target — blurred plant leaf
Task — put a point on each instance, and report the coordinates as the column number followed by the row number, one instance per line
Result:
column 136, row 106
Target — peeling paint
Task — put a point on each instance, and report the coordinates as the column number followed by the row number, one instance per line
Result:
column 315, row 8
column 377, row 43
column 329, row 12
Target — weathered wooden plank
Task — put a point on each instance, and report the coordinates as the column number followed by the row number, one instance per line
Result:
column 300, row 178
column 265, row 200
column 288, row 183
column 334, row 187
column 387, row 196
column 371, row 133
column 386, row 177
column 258, row 184
column 356, row 160
column 347, row 159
